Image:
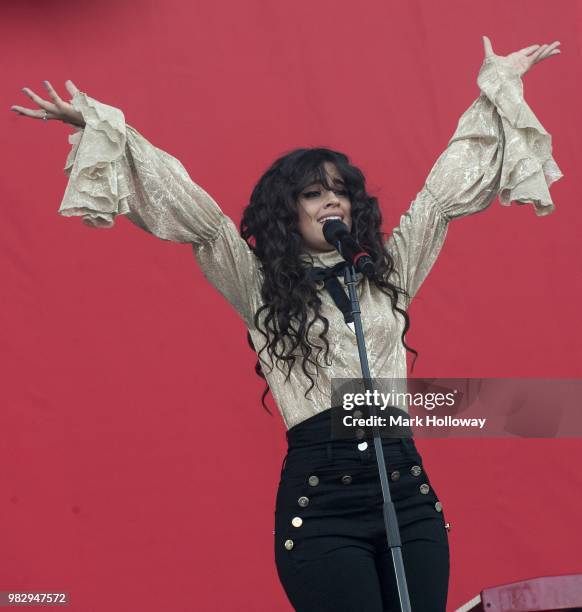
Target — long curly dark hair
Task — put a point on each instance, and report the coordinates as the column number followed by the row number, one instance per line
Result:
column 270, row 227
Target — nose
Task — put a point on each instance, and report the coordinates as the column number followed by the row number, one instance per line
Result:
column 331, row 199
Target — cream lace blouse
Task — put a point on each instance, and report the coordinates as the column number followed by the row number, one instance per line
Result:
column 498, row 149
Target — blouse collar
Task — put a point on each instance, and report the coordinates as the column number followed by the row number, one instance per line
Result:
column 327, row 259
column 324, row 260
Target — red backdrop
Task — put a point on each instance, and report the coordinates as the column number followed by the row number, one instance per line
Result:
column 138, row 468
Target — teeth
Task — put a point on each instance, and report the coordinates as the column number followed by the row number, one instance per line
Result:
column 322, row 221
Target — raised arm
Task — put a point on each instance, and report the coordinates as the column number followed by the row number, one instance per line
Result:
column 113, row 170
column 498, row 149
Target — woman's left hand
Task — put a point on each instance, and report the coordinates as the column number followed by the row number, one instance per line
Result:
column 525, row 58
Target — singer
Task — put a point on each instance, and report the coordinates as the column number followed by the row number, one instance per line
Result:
column 282, row 276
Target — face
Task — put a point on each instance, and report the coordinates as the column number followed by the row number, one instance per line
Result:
column 315, row 203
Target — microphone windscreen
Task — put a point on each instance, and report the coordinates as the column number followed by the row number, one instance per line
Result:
column 334, row 229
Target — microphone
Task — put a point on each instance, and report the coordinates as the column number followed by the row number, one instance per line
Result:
column 336, row 231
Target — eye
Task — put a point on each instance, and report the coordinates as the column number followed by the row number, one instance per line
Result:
column 309, row 194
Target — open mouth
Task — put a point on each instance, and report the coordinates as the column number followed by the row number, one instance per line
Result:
column 329, row 218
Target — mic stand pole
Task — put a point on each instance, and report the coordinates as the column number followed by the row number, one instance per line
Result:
column 390, row 519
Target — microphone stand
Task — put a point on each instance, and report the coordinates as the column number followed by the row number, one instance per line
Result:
column 389, row 512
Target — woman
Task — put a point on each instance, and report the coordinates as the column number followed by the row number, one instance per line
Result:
column 330, row 544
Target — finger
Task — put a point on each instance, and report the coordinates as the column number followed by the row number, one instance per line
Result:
column 29, row 112
column 545, row 56
column 54, row 95
column 549, row 50
column 71, row 88
column 528, row 50
column 534, row 57
column 42, row 103
column 487, row 47
column 555, row 44
column 21, row 109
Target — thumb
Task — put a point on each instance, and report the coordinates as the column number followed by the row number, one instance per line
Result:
column 487, row 47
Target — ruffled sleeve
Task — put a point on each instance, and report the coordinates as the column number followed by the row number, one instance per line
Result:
column 113, row 170
column 498, row 149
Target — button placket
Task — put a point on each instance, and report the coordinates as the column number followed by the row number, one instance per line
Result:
column 295, row 522
column 291, row 521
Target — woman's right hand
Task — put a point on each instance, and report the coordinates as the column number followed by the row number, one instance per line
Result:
column 57, row 109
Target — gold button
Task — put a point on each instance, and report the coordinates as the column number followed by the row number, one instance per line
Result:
column 303, row 501
column 346, row 479
column 415, row 470
column 424, row 489
column 395, row 475
column 289, row 544
column 296, row 521
column 313, row 481
column 438, row 507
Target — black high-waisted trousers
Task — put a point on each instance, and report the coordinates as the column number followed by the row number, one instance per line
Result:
column 330, row 541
